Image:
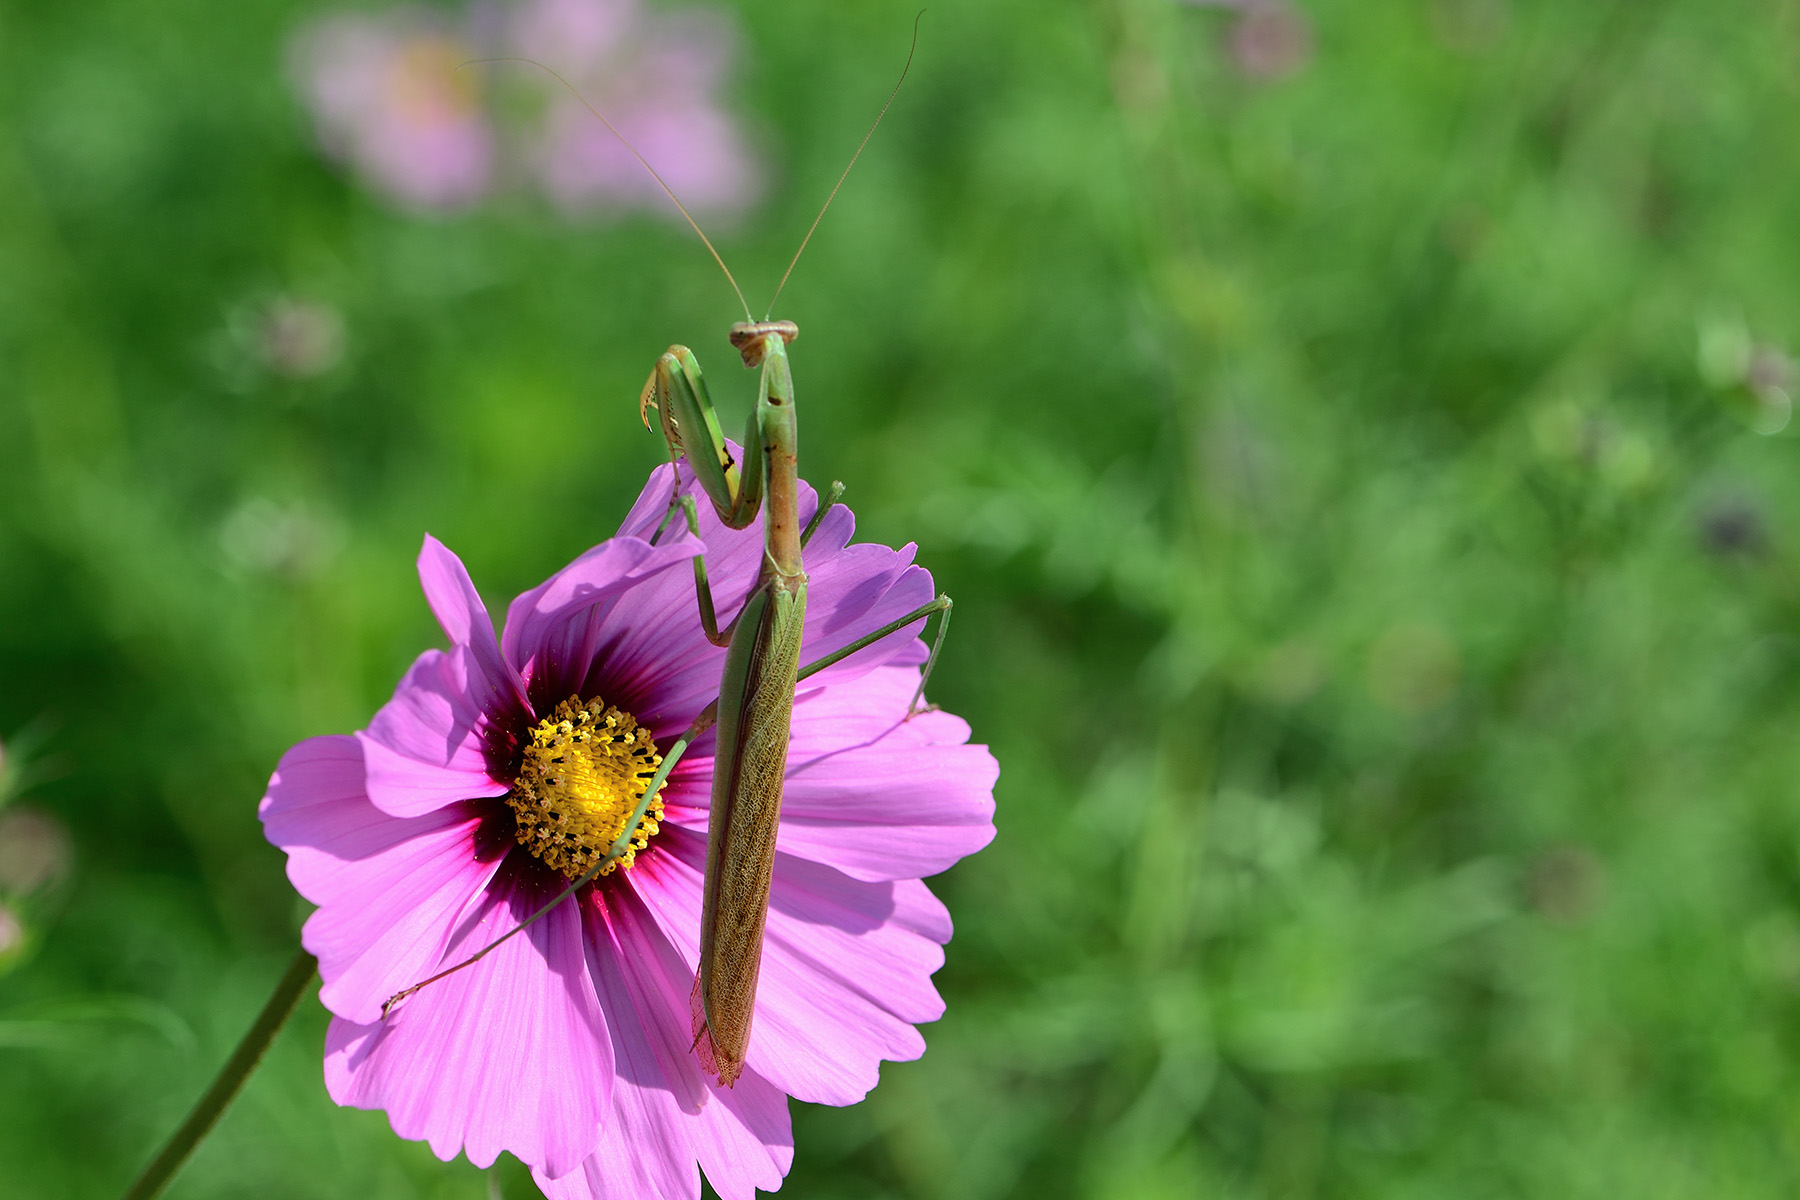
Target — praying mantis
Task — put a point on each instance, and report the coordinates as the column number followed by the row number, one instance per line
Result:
column 762, row 660
column 762, row 666
column 761, row 670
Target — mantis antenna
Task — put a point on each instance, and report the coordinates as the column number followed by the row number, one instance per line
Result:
column 847, row 166
column 676, row 200
column 644, row 162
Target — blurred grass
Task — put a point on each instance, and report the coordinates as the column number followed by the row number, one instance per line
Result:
column 1382, row 609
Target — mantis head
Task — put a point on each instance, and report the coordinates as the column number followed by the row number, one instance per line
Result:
column 752, row 338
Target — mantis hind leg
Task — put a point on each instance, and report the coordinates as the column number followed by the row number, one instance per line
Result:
column 941, row 604
column 833, row 494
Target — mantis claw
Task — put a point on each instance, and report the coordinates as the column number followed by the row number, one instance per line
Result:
column 647, row 400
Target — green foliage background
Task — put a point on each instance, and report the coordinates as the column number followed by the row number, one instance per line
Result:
column 1369, row 570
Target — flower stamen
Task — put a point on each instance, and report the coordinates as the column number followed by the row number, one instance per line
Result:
column 582, row 775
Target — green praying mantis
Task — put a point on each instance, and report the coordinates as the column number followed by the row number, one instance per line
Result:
column 754, row 708
column 762, row 667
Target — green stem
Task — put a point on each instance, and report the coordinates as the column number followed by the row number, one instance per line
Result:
column 243, row 1060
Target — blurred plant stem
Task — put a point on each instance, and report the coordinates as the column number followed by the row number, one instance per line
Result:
column 243, row 1060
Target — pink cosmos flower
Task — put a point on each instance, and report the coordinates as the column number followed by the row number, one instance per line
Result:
column 422, row 839
column 391, row 102
column 1270, row 39
column 394, row 99
column 656, row 77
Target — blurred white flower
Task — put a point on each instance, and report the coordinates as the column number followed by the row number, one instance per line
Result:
column 1756, row 379
column 299, row 338
column 34, row 850
column 288, row 540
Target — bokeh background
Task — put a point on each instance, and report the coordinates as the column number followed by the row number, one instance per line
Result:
column 1355, row 435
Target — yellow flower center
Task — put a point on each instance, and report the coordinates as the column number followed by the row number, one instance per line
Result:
column 426, row 85
column 584, row 773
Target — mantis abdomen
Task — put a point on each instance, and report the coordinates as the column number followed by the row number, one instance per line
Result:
column 748, row 772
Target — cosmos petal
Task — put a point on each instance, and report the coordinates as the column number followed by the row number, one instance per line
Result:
column 847, row 969
column 553, row 632
column 846, row 966
column 857, row 590
column 879, row 795
column 509, row 1054
column 739, row 1136
column 494, row 686
column 430, row 745
column 390, row 891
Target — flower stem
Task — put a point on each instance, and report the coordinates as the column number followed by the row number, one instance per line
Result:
column 243, row 1060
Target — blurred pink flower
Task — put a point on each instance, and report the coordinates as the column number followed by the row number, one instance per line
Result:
column 656, row 78
column 1271, row 40
column 428, row 835
column 390, row 102
column 1268, row 40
